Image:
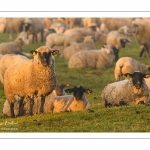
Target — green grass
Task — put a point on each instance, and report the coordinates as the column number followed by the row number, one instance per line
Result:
column 133, row 118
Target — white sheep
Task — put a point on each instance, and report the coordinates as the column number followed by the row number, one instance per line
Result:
column 102, row 58
column 129, row 65
column 142, row 35
column 30, row 79
column 132, row 91
column 118, row 41
column 15, row 47
column 75, row 102
column 34, row 26
column 58, row 91
column 88, row 44
column 8, row 60
column 56, row 39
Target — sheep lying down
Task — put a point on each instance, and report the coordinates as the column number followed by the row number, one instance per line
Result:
column 132, row 91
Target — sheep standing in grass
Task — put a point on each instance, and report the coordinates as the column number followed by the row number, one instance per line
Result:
column 132, row 91
column 8, row 60
column 88, row 44
column 142, row 35
column 15, row 47
column 30, row 79
column 34, row 26
column 59, row 90
column 118, row 41
column 102, row 58
column 75, row 102
column 128, row 64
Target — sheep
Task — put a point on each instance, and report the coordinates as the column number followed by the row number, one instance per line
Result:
column 75, row 102
column 88, row 44
column 125, row 92
column 56, row 39
column 100, row 38
column 8, row 60
column 102, row 58
column 13, row 25
column 15, row 47
column 58, row 26
column 34, row 26
column 31, row 78
column 142, row 35
column 118, row 41
column 73, row 22
column 58, row 91
column 128, row 64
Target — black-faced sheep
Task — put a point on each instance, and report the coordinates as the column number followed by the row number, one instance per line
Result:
column 75, row 102
column 102, row 58
column 142, row 35
column 130, row 65
column 34, row 26
column 8, row 60
column 132, row 91
column 30, row 79
column 88, row 44
column 59, row 90
column 118, row 41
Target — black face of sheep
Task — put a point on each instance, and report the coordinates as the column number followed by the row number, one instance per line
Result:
column 45, row 57
column 78, row 91
column 116, row 52
column 137, row 78
column 26, row 26
column 124, row 42
column 60, row 88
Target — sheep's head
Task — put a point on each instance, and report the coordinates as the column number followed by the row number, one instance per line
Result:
column 124, row 42
column 137, row 78
column 78, row 91
column 60, row 88
column 109, row 49
column 133, row 29
column 44, row 55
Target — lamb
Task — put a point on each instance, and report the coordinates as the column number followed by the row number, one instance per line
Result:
column 30, row 79
column 128, row 64
column 56, row 39
column 58, row 91
column 75, row 102
column 8, row 60
column 88, row 44
column 142, row 35
column 118, row 41
column 102, row 58
column 34, row 26
column 15, row 47
column 125, row 92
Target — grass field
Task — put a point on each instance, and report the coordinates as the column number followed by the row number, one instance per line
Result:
column 133, row 118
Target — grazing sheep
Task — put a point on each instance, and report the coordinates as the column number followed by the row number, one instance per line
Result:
column 129, row 65
column 75, row 102
column 118, row 41
column 56, row 39
column 8, row 60
column 59, row 90
column 13, row 25
column 88, row 44
column 142, row 35
column 102, row 58
column 15, row 47
column 34, row 26
column 30, row 79
column 132, row 91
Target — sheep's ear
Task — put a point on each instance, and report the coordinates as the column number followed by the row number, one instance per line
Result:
column 88, row 91
column 55, row 52
column 69, row 90
column 128, row 75
column 146, row 75
column 33, row 52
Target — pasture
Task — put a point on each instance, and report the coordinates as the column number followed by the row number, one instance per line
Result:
column 133, row 118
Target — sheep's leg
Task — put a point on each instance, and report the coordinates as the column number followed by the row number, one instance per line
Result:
column 31, row 106
column 142, row 51
column 21, row 106
column 116, row 55
column 42, row 104
column 42, row 38
column 12, row 110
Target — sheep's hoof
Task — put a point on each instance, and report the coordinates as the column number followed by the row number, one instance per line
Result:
column 90, row 110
